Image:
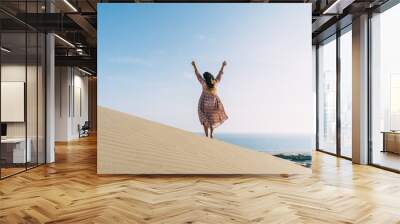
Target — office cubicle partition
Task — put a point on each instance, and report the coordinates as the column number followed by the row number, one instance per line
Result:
column 22, row 90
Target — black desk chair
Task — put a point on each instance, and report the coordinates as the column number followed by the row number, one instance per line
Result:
column 84, row 130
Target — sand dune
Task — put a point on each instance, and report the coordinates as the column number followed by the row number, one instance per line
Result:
column 131, row 145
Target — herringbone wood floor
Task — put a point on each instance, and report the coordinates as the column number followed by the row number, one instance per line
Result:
column 69, row 191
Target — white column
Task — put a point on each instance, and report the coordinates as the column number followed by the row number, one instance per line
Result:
column 50, row 99
column 50, row 92
column 360, row 90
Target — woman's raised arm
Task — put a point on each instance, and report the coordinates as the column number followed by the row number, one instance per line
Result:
column 221, row 71
column 196, row 71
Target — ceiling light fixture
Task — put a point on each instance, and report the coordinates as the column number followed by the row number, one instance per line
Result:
column 64, row 40
column 79, row 51
column 5, row 50
column 84, row 71
column 70, row 5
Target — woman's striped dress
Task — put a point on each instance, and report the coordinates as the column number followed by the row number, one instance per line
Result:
column 211, row 110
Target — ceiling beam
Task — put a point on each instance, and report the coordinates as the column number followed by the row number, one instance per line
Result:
column 86, row 26
column 81, row 61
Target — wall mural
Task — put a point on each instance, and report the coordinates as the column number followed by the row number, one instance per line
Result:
column 193, row 86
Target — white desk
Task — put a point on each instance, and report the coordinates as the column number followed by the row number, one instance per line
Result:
column 18, row 149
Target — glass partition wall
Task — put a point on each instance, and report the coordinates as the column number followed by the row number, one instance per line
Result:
column 334, row 81
column 22, row 90
column 13, row 122
column 385, row 89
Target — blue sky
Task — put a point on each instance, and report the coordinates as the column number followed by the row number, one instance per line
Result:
column 145, row 50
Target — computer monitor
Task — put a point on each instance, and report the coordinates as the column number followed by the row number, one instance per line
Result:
column 3, row 129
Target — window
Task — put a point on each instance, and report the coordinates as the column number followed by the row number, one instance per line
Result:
column 346, row 93
column 385, row 89
column 327, row 96
column 334, row 138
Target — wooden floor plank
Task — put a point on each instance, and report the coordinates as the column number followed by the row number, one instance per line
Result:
column 70, row 191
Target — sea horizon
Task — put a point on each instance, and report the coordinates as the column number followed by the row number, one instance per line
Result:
column 294, row 147
column 274, row 143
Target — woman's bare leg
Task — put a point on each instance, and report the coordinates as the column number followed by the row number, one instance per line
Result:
column 205, row 130
column 211, row 132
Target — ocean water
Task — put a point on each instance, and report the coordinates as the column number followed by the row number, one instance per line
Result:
column 294, row 147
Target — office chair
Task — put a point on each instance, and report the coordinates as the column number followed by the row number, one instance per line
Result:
column 84, row 130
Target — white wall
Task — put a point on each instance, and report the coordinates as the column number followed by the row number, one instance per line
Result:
column 17, row 73
column 80, row 109
column 62, row 81
column 14, row 72
column 70, row 84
